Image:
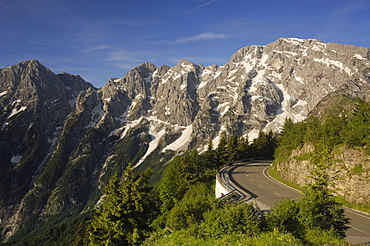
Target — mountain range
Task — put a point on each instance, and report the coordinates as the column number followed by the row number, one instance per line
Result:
column 61, row 139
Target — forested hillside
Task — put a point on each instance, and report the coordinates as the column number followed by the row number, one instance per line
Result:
column 336, row 142
column 338, row 125
column 182, row 208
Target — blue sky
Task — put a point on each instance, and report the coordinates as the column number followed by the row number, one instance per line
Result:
column 100, row 40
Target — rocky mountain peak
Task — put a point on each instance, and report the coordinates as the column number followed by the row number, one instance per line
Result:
column 35, row 64
column 254, row 51
column 74, row 83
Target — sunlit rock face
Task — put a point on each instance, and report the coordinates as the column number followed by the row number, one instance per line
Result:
column 57, row 129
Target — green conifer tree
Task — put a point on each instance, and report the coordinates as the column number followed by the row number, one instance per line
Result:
column 222, row 155
column 125, row 212
column 232, row 148
column 210, row 160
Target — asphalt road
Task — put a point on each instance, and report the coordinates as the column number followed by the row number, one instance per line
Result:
column 253, row 178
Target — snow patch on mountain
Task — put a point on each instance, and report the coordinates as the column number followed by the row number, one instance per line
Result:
column 156, row 137
column 16, row 159
column 96, row 113
column 319, row 47
column 295, row 41
column 253, row 135
column 182, row 142
column 122, row 118
column 202, row 84
column 359, row 57
column 148, row 79
column 338, row 64
column 17, row 111
column 53, row 142
column 127, row 127
column 224, row 107
column 218, row 73
column 286, row 112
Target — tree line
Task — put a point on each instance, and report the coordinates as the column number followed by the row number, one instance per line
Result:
column 338, row 126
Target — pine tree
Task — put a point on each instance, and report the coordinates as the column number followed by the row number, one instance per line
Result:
column 125, row 212
column 318, row 208
column 222, row 155
column 210, row 156
column 243, row 148
column 232, row 148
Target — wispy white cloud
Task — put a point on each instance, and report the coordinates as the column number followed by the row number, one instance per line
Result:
column 126, row 55
column 351, row 8
column 198, row 7
column 51, row 42
column 132, row 23
column 198, row 37
column 97, row 47
column 202, row 36
column 126, row 59
column 126, row 65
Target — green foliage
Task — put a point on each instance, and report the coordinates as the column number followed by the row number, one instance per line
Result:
column 235, row 148
column 125, row 212
column 291, row 138
column 189, row 211
column 222, row 154
column 358, row 129
column 312, row 213
column 264, row 145
column 323, row 237
column 181, row 173
column 61, row 234
column 358, row 169
column 305, row 156
column 188, row 203
column 284, row 218
column 338, row 126
column 320, row 210
column 341, row 126
column 317, row 210
column 169, row 190
column 210, row 158
column 191, row 168
column 242, row 218
column 184, row 237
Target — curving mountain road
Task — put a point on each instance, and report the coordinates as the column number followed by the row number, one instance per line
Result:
column 252, row 178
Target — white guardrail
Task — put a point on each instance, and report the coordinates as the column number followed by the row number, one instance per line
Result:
column 225, row 187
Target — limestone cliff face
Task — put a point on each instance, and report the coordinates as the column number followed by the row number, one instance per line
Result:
column 349, row 172
column 61, row 139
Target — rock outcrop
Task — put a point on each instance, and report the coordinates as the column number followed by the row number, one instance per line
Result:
column 349, row 172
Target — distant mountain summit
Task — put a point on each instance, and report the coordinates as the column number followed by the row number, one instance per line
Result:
column 61, row 139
